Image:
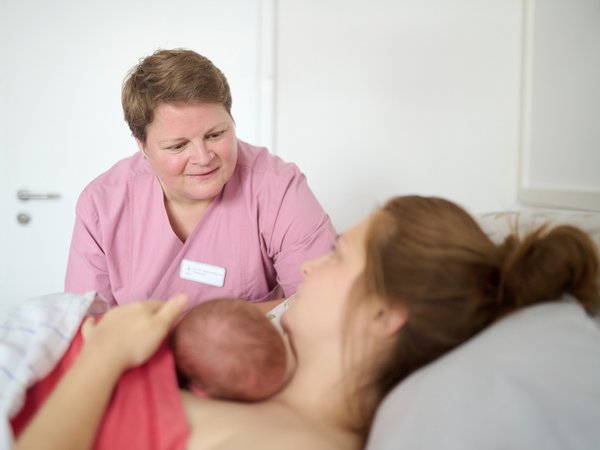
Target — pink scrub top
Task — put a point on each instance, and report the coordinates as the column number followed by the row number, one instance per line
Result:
column 250, row 242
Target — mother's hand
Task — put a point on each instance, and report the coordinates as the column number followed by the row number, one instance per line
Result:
column 128, row 335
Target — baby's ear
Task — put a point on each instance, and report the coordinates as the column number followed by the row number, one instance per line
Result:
column 389, row 319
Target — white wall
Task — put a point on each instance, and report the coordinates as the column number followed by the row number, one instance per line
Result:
column 560, row 146
column 373, row 97
column 383, row 97
column 3, row 169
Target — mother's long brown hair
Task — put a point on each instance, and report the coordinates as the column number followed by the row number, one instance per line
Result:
column 431, row 257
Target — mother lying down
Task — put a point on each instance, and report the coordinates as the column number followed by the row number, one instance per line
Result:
column 410, row 282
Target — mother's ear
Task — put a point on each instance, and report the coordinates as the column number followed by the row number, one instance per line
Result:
column 389, row 319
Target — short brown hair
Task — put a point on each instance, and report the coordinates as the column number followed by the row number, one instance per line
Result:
column 170, row 76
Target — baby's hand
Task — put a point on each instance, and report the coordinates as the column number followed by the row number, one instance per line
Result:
column 128, row 335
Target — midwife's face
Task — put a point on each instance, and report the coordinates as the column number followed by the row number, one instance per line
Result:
column 192, row 148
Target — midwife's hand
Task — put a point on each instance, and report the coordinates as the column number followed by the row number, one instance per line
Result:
column 128, row 335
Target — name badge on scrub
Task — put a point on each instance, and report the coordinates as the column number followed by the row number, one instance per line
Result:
column 202, row 273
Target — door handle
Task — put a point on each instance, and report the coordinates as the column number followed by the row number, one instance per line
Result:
column 24, row 195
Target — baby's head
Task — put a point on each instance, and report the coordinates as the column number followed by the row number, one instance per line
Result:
column 231, row 350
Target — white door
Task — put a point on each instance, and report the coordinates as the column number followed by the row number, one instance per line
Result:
column 61, row 68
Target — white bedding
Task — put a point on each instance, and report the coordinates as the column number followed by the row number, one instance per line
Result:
column 33, row 337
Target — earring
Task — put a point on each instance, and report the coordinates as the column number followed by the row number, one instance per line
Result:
column 145, row 155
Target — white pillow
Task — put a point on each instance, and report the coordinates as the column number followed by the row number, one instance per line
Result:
column 530, row 381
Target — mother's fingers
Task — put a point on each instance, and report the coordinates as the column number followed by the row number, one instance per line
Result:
column 150, row 306
column 172, row 308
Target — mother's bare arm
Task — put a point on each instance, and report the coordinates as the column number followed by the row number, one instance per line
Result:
column 127, row 336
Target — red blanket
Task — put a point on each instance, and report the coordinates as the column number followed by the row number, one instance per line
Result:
column 145, row 411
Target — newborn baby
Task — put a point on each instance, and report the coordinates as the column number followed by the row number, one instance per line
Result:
column 230, row 350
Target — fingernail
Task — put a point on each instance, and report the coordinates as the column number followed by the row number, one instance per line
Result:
column 180, row 300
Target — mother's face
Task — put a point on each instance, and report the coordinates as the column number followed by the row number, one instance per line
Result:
column 318, row 309
column 192, row 148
